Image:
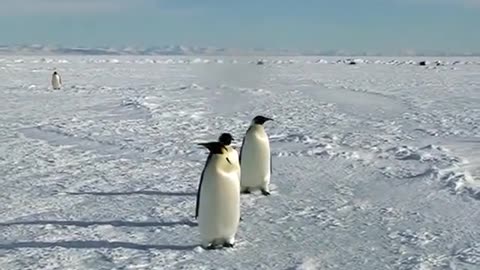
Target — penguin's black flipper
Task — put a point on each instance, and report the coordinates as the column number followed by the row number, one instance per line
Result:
column 241, row 148
column 271, row 168
column 200, row 186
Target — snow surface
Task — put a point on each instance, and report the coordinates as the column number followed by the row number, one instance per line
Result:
column 375, row 165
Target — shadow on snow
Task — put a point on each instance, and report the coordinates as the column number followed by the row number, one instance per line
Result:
column 93, row 244
column 114, row 223
column 139, row 192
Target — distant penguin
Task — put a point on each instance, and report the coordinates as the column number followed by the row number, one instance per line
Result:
column 56, row 81
column 218, row 199
column 226, row 139
column 255, row 158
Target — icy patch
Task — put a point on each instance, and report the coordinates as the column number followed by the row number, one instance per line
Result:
column 149, row 103
column 200, row 61
column 289, row 138
column 309, row 264
column 429, row 153
column 463, row 175
column 191, row 86
column 422, row 262
column 255, row 91
column 62, row 136
column 460, row 181
column 409, row 237
column 470, row 255
column 408, row 153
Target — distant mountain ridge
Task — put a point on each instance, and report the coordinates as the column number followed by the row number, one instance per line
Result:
column 36, row 49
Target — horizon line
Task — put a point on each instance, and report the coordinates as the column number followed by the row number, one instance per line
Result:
column 192, row 50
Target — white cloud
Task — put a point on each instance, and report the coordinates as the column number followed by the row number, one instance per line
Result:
column 36, row 7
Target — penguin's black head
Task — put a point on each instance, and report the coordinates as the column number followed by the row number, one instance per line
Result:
column 225, row 138
column 54, row 73
column 214, row 147
column 260, row 120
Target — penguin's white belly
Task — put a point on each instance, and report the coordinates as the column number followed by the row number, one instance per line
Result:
column 255, row 163
column 233, row 156
column 219, row 211
column 56, row 82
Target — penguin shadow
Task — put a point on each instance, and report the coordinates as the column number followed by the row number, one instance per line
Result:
column 113, row 223
column 138, row 192
column 89, row 244
column 93, row 244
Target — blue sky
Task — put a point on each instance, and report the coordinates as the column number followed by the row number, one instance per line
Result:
column 351, row 25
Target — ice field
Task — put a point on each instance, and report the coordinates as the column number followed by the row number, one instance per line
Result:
column 375, row 165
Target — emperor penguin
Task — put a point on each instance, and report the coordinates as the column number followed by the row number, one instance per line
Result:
column 255, row 158
column 218, row 199
column 226, row 139
column 56, row 81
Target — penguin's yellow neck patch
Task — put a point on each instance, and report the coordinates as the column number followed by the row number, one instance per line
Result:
column 224, row 164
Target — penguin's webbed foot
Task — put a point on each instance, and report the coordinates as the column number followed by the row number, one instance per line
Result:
column 228, row 245
column 211, row 246
column 246, row 191
column 265, row 192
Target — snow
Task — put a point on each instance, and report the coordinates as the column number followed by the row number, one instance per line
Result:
column 375, row 166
